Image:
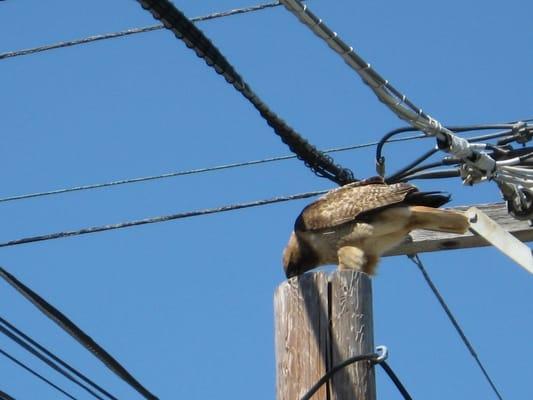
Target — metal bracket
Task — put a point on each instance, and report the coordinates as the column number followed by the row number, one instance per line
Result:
column 492, row 232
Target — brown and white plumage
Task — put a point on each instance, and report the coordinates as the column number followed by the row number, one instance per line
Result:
column 353, row 225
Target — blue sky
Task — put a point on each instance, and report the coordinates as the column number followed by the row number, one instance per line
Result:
column 186, row 306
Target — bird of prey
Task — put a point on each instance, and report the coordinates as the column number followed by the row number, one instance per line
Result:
column 353, row 225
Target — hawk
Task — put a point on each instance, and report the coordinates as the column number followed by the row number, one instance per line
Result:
column 353, row 225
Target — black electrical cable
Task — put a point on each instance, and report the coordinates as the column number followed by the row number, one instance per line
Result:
column 395, row 177
column 29, row 341
column 380, row 159
column 490, row 136
column 423, row 167
column 72, row 329
column 164, row 218
column 328, row 375
column 50, row 363
column 394, row 378
column 439, row 174
column 5, row 396
column 36, row 374
column 418, row 262
column 184, row 29
column 374, row 358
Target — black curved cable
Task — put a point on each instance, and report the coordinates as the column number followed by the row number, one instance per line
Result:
column 509, row 128
column 398, row 174
column 395, row 380
column 372, row 357
column 380, row 159
column 194, row 38
column 50, row 363
column 328, row 375
column 438, row 174
column 18, row 336
column 72, row 329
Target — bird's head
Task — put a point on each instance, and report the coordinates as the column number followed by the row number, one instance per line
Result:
column 298, row 257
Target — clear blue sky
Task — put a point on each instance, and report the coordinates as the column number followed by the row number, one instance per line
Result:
column 186, row 306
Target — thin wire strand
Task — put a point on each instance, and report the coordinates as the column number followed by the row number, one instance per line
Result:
column 191, row 171
column 132, row 31
column 163, row 218
column 36, row 374
column 418, row 262
column 28, row 341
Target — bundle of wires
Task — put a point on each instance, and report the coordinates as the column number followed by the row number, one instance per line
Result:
column 502, row 151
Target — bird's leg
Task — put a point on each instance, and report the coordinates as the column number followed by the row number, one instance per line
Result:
column 351, row 258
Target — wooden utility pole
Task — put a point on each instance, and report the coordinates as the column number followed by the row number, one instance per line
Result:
column 321, row 320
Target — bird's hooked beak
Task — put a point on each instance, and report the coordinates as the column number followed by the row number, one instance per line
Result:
column 290, row 257
column 298, row 257
column 291, row 270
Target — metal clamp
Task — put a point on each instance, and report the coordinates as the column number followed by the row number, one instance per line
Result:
column 383, row 354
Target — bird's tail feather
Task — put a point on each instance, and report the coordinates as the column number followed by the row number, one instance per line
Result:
column 428, row 199
column 434, row 219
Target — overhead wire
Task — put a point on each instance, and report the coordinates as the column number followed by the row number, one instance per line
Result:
column 438, row 174
column 163, row 218
column 380, row 158
column 28, row 341
column 36, row 374
column 457, row 129
column 4, row 395
column 320, row 163
column 132, row 31
column 394, row 177
column 424, row 167
column 47, row 361
column 374, row 359
column 418, row 262
column 73, row 330
column 190, row 172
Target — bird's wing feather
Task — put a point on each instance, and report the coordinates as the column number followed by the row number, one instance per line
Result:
column 347, row 203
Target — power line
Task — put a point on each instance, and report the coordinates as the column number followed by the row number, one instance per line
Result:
column 394, row 378
column 50, row 363
column 132, row 31
column 73, row 330
column 372, row 357
column 30, row 345
column 418, row 262
column 163, row 218
column 36, row 374
column 191, row 171
column 320, row 163
column 3, row 395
